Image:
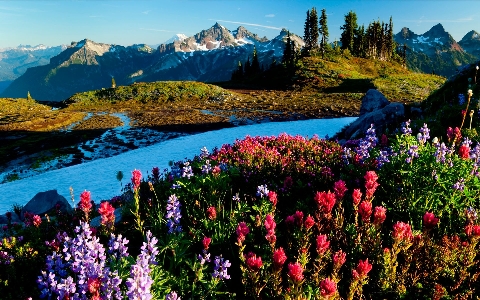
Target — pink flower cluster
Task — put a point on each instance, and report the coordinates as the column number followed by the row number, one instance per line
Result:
column 85, row 203
column 136, row 179
column 254, row 262
column 107, row 211
column 295, row 272
column 325, row 201
column 242, row 231
column 270, row 227
column 371, row 184
column 323, row 244
column 279, row 258
column 362, row 269
column 429, row 220
column 402, row 231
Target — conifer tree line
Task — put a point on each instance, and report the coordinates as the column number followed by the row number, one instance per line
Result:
column 375, row 41
column 248, row 69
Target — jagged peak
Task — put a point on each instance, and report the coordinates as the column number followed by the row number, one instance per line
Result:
column 436, row 31
column 471, row 35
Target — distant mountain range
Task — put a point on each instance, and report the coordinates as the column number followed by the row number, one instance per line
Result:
column 15, row 61
column 210, row 55
column 56, row 73
column 437, row 52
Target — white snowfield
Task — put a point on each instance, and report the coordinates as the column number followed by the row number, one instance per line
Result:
column 99, row 176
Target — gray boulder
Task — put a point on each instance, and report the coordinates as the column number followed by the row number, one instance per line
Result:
column 372, row 101
column 377, row 112
column 44, row 202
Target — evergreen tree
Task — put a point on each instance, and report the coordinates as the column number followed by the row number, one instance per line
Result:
column 391, row 45
column 255, row 67
column 359, row 42
column 238, row 73
column 287, row 51
column 323, row 31
column 313, row 29
column 306, row 35
column 349, row 28
column 248, row 68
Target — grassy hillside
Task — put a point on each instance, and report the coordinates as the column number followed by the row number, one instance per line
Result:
column 329, row 87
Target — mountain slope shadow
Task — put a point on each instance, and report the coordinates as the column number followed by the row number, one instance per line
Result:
column 351, row 86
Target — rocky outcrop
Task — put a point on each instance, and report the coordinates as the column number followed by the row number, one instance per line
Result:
column 44, row 202
column 376, row 110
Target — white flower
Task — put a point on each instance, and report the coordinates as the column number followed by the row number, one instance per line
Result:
column 470, row 93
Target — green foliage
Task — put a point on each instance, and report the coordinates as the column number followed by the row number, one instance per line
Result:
column 155, row 92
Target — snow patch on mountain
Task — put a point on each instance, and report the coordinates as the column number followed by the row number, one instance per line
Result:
column 178, row 37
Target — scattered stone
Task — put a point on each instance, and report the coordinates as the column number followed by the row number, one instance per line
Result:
column 44, row 202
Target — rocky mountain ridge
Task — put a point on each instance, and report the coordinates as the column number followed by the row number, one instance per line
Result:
column 436, row 51
column 210, row 55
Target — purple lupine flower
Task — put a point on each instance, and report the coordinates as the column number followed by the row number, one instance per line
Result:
column 467, row 142
column 204, row 153
column 459, row 185
column 382, row 158
column 175, row 171
column 172, row 296
column 440, row 153
column 204, row 257
column 187, row 170
column 363, row 149
column 346, row 155
column 173, row 214
column 406, row 130
column 236, row 198
column 412, row 153
column 424, row 134
column 68, row 271
column 262, row 191
column 461, row 99
column 140, row 282
column 207, row 167
column 371, row 137
column 220, row 268
column 117, row 246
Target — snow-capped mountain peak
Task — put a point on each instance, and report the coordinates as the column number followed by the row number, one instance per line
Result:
column 177, row 37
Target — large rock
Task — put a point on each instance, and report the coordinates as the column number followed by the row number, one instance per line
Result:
column 372, row 101
column 44, row 202
column 377, row 112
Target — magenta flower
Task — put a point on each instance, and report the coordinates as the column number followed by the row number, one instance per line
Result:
column 85, row 203
column 279, row 258
column 272, row 196
column 379, row 215
column 429, row 220
column 357, row 197
column 309, row 222
column 328, row 288
column 36, row 220
column 107, row 212
column 254, row 262
column 365, row 210
column 339, row 258
column 340, row 188
column 362, row 269
column 295, row 272
column 402, row 231
column 322, row 244
column 325, row 201
column 212, row 213
column 242, row 231
column 206, row 242
column 136, row 179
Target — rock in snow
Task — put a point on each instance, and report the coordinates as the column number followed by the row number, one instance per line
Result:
column 44, row 202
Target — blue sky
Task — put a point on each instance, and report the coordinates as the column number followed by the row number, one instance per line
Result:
column 127, row 22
